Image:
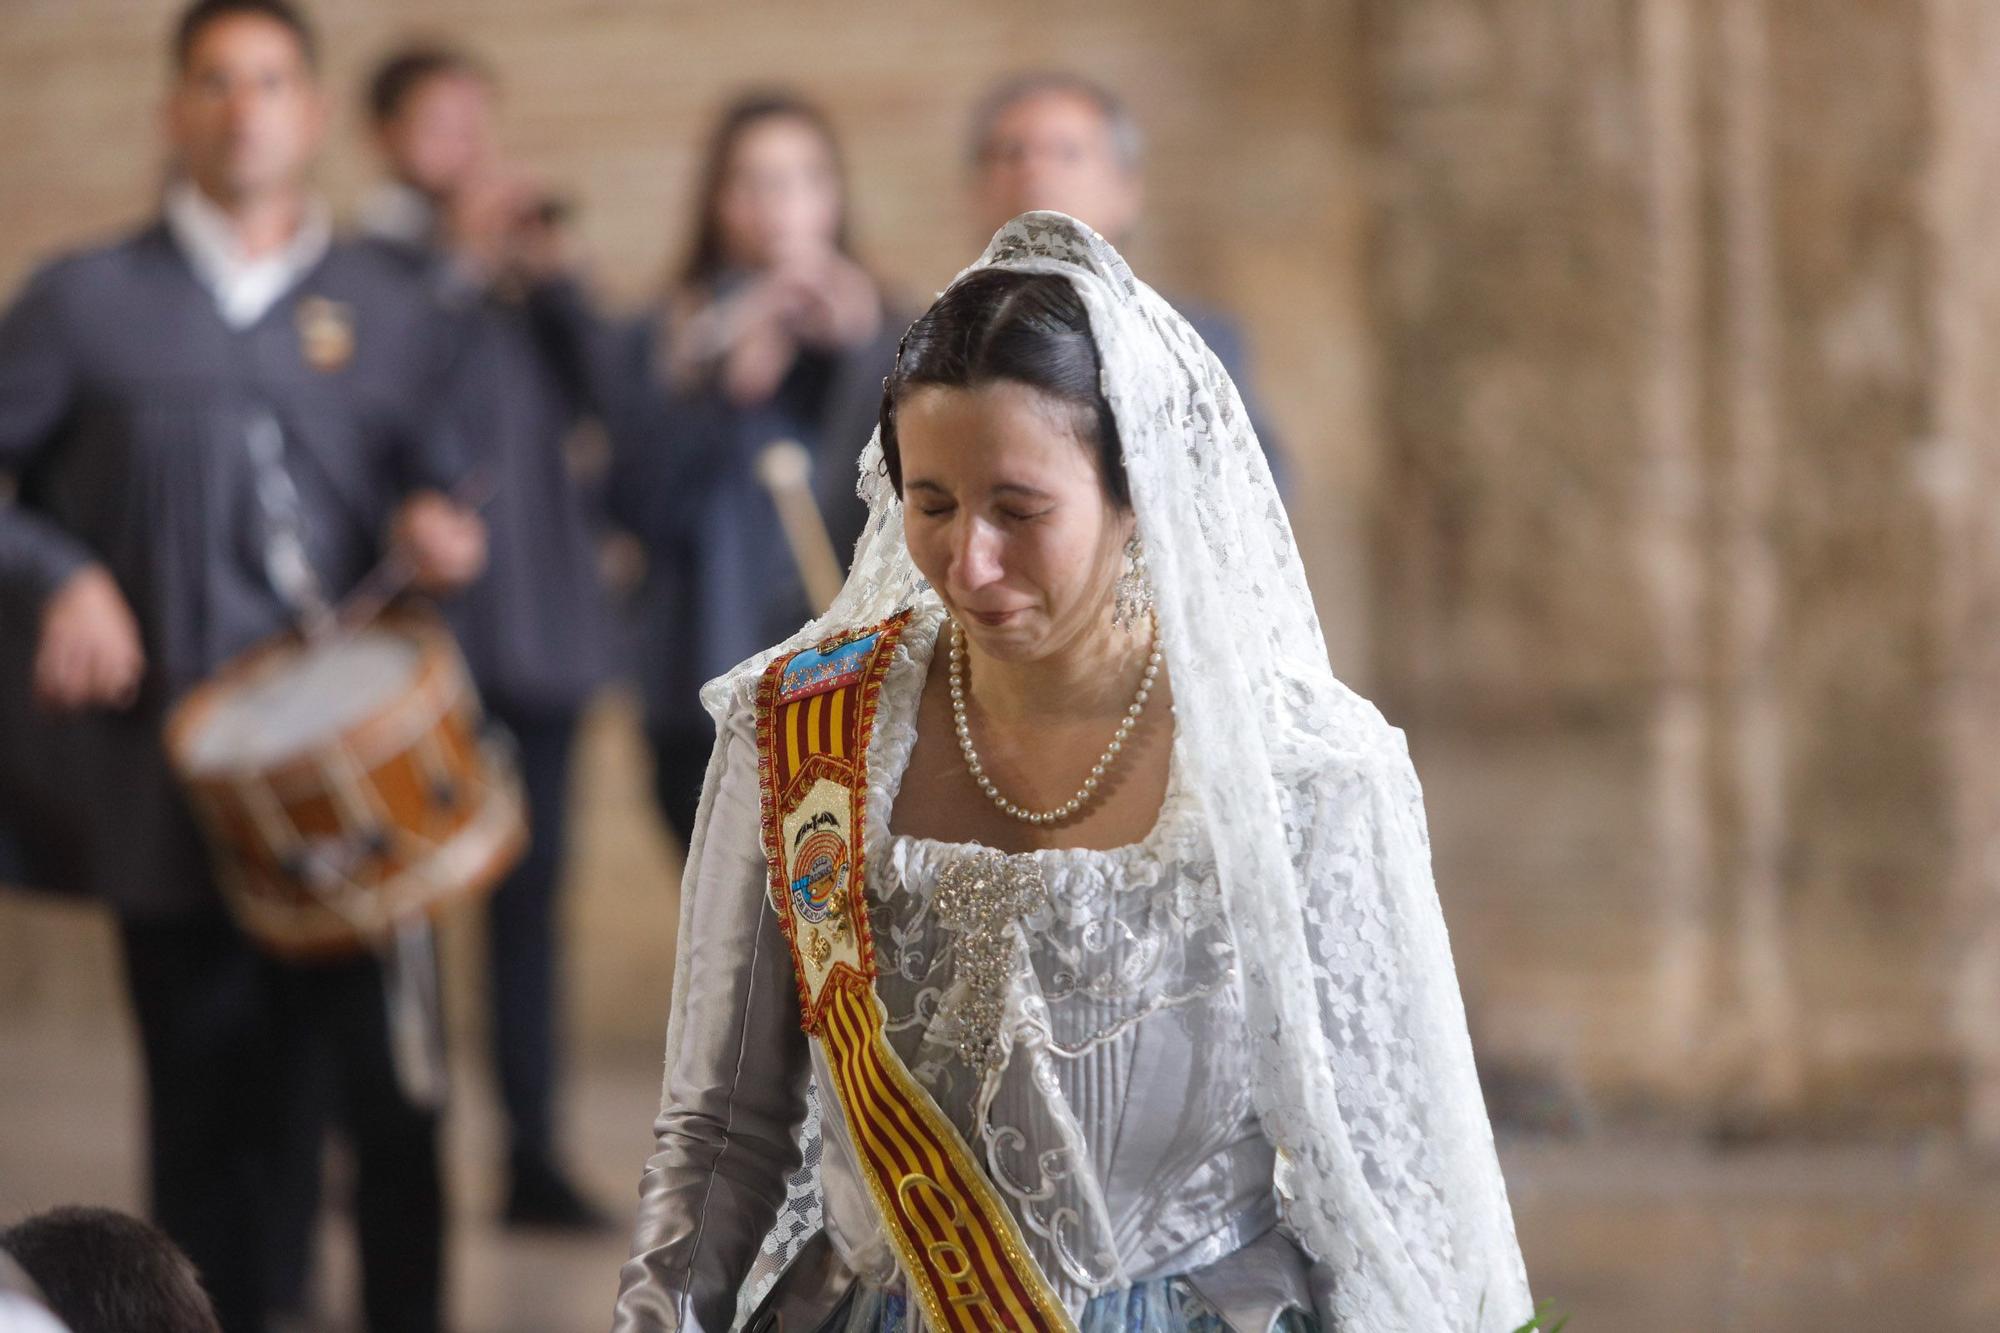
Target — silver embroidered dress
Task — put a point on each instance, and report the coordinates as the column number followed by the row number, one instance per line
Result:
column 1072, row 1011
column 1103, row 1079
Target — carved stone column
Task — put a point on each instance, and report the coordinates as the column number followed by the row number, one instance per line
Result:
column 1690, row 391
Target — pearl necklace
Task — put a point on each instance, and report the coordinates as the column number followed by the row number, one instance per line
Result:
column 1089, row 789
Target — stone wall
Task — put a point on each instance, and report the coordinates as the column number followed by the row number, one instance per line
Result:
column 1687, row 384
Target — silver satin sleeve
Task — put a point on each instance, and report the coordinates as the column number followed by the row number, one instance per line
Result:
column 735, row 1092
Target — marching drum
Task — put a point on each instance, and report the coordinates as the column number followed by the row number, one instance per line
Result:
column 344, row 785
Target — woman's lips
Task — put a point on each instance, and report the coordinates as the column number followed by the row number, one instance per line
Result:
column 993, row 619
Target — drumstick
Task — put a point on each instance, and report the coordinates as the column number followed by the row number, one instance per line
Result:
column 393, row 572
column 785, row 468
column 415, row 1004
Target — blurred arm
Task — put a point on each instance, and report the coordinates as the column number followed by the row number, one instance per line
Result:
column 579, row 343
column 88, row 651
column 669, row 445
column 37, row 388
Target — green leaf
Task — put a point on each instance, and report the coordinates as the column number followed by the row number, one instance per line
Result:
column 1544, row 1311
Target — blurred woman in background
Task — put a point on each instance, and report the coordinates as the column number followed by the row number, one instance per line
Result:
column 770, row 331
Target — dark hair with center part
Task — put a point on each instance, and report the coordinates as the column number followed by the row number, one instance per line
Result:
column 101, row 1271
column 196, row 18
column 708, row 256
column 401, row 74
column 1001, row 324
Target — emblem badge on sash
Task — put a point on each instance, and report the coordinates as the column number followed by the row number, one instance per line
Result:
column 821, row 868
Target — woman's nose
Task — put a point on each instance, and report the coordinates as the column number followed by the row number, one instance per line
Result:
column 975, row 557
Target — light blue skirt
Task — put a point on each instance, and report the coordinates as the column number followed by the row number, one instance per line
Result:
column 1163, row 1305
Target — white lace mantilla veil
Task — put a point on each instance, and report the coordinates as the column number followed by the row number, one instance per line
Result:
column 1363, row 1072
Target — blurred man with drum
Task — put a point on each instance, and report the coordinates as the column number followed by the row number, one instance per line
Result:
column 216, row 425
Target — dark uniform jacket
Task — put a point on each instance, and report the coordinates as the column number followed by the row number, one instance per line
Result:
column 125, row 404
column 721, row 582
column 536, row 626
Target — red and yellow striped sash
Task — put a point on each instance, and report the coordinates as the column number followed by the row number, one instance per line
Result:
column 960, row 1248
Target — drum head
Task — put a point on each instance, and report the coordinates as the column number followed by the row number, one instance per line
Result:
column 302, row 698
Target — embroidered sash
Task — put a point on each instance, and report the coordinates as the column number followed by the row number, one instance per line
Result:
column 959, row 1246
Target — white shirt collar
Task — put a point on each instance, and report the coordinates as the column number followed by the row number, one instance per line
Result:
column 244, row 288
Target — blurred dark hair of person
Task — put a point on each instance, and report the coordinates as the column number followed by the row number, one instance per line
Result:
column 196, row 18
column 749, row 215
column 102, row 1271
column 432, row 111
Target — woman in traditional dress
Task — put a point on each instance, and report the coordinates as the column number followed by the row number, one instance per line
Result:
column 1059, row 948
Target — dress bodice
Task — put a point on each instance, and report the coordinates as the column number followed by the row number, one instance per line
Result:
column 1075, row 1013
